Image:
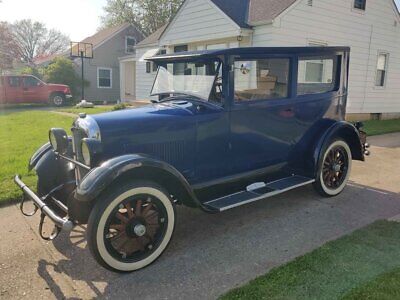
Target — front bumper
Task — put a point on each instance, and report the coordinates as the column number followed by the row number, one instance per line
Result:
column 68, row 96
column 61, row 223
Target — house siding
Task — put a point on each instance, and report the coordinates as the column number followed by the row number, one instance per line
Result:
column 144, row 81
column 106, row 56
column 338, row 24
column 199, row 20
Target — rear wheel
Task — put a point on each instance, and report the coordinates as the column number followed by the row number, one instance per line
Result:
column 334, row 170
column 57, row 99
column 131, row 226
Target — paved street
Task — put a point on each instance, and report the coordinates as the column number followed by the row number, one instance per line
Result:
column 209, row 254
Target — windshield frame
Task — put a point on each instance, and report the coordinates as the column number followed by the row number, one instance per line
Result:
column 164, row 63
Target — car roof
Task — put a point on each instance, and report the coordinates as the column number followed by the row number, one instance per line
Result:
column 207, row 54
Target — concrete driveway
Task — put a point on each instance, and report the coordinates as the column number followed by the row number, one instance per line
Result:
column 209, row 254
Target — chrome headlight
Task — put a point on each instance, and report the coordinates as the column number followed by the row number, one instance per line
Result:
column 91, row 151
column 59, row 140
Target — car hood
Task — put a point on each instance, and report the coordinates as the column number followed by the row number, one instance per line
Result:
column 56, row 85
column 124, row 131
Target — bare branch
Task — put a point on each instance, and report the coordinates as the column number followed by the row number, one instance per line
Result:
column 33, row 40
column 147, row 15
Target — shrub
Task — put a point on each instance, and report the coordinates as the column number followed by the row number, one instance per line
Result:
column 62, row 71
column 120, row 106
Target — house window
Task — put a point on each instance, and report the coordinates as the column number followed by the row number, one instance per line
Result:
column 179, row 68
column 155, row 66
column 316, row 75
column 360, row 4
column 261, row 79
column 130, row 43
column 381, row 69
column 148, row 67
column 104, row 78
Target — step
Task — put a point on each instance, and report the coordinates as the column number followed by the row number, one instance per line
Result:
column 258, row 191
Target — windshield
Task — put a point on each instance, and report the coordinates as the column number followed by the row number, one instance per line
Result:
column 190, row 78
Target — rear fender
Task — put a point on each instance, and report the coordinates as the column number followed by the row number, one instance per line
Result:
column 305, row 157
column 340, row 130
column 132, row 167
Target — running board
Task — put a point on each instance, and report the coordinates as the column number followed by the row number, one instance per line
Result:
column 258, row 191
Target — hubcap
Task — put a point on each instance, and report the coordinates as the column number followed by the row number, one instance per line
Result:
column 140, row 230
column 58, row 100
column 336, row 168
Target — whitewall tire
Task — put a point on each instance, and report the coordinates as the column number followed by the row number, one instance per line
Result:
column 334, row 169
column 131, row 226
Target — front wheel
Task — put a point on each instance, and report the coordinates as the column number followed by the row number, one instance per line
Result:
column 130, row 226
column 334, row 169
column 57, row 99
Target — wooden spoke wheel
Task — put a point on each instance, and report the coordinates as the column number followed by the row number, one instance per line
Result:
column 334, row 169
column 131, row 233
column 131, row 226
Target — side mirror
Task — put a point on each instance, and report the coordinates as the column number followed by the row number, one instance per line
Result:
column 245, row 68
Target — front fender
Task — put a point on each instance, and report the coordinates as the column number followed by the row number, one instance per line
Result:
column 50, row 170
column 38, row 155
column 98, row 179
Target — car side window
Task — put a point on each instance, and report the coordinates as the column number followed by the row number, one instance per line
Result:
column 14, row 81
column 316, row 75
column 261, row 79
column 30, row 81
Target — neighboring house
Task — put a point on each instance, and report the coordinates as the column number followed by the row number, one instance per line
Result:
column 370, row 27
column 102, row 72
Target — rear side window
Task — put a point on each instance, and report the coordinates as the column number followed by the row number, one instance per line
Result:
column 316, row 75
column 261, row 79
column 14, row 81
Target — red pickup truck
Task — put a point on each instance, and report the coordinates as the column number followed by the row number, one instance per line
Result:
column 30, row 89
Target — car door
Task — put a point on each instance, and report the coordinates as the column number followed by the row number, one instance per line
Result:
column 14, row 89
column 263, row 123
column 32, row 89
column 213, row 133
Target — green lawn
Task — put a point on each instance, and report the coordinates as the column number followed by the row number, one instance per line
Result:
column 89, row 111
column 21, row 134
column 363, row 265
column 381, row 127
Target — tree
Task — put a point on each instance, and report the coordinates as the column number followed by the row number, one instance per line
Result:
column 35, row 71
column 61, row 70
column 147, row 15
column 7, row 47
column 33, row 39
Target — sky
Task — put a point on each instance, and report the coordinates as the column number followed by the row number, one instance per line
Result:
column 76, row 18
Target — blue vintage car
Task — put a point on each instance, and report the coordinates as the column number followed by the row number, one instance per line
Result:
column 229, row 127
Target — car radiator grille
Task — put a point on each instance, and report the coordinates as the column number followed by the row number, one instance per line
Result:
column 77, row 135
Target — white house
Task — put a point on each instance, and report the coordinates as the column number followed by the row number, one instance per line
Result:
column 370, row 27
